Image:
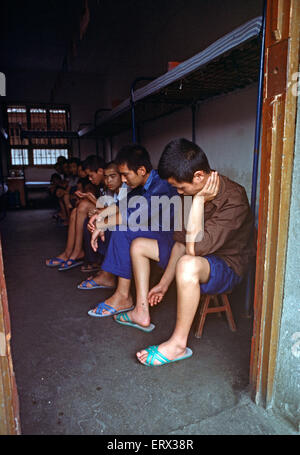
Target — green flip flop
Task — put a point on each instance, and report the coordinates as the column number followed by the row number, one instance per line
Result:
column 128, row 322
column 154, row 354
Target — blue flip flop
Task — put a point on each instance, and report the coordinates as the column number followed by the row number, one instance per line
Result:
column 84, row 285
column 66, row 266
column 103, row 306
column 154, row 354
column 52, row 260
column 128, row 322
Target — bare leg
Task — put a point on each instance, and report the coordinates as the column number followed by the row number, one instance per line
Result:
column 141, row 251
column 71, row 238
column 67, row 203
column 82, row 211
column 60, row 195
column 103, row 278
column 190, row 272
column 63, row 212
column 71, row 233
column 121, row 299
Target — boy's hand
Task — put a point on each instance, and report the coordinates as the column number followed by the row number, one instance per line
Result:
column 211, row 187
column 91, row 197
column 92, row 212
column 156, row 294
column 94, row 240
column 80, row 194
column 91, row 224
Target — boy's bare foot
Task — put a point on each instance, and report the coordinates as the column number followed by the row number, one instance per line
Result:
column 138, row 316
column 60, row 256
column 102, row 278
column 168, row 349
column 118, row 302
column 77, row 256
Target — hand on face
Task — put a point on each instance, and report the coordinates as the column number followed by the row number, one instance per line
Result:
column 211, row 187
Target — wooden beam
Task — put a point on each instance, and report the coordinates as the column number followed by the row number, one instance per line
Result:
column 9, row 403
column 277, row 155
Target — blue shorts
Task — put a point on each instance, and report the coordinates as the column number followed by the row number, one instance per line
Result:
column 222, row 277
column 117, row 258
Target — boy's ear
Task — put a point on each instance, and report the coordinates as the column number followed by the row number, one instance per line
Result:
column 198, row 176
column 142, row 171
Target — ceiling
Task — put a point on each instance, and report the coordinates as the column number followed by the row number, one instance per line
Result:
column 36, row 35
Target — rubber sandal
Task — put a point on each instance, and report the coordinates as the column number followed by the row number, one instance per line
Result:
column 60, row 261
column 154, row 354
column 84, row 285
column 128, row 322
column 103, row 306
column 66, row 266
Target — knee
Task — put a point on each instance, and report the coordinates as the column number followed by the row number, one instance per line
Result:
column 60, row 193
column 187, row 269
column 137, row 247
column 73, row 213
column 84, row 206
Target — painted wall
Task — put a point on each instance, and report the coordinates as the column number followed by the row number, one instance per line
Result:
column 286, row 396
column 169, row 31
column 225, row 128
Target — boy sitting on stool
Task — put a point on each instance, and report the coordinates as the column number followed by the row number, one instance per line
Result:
column 211, row 256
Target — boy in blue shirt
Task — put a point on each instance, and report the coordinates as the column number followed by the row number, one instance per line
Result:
column 130, row 222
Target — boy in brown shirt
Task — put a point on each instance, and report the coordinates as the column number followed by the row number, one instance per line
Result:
column 211, row 256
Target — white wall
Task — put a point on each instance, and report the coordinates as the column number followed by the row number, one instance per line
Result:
column 224, row 130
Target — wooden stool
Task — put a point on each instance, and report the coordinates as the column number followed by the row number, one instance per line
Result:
column 205, row 309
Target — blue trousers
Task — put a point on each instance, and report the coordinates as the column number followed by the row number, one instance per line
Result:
column 117, row 259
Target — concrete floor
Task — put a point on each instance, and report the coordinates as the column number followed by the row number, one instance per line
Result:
column 78, row 375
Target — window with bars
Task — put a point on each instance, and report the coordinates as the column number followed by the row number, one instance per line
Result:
column 47, row 156
column 38, row 122
column 17, row 116
column 19, row 157
column 58, row 122
column 39, row 151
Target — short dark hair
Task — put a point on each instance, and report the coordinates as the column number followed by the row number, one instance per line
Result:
column 134, row 156
column 181, row 159
column 55, row 176
column 111, row 164
column 74, row 160
column 61, row 159
column 93, row 163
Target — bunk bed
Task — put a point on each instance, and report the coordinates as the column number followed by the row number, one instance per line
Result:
column 230, row 63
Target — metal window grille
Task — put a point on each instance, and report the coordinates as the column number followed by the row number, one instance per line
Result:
column 19, row 157
column 47, row 156
column 36, row 150
column 58, row 122
column 38, row 120
column 16, row 116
